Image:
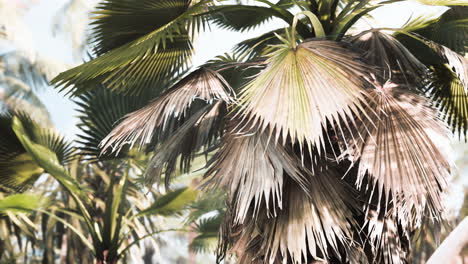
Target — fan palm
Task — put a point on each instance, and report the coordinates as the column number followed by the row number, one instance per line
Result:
column 323, row 138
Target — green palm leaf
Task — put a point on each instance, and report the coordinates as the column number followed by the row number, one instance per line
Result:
column 449, row 95
column 171, row 203
column 207, row 234
column 138, row 63
column 18, row 169
column 242, row 17
column 305, row 87
column 21, row 203
column 100, row 110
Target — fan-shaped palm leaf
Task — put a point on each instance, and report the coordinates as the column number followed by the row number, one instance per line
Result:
column 312, row 225
column 300, row 84
column 242, row 17
column 253, row 171
column 141, row 125
column 100, row 111
column 259, row 46
column 141, row 55
column 407, row 168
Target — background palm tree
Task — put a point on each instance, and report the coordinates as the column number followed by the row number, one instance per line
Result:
column 322, row 134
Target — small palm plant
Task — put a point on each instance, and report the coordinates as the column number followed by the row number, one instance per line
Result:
column 327, row 138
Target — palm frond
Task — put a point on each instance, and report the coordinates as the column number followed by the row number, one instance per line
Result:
column 207, row 234
column 171, row 203
column 140, row 126
column 18, row 170
column 399, row 154
column 253, row 171
column 313, row 225
column 300, row 84
column 392, row 58
column 21, row 203
column 455, row 61
column 144, row 55
column 198, row 133
column 101, row 110
column 241, row 17
column 449, row 95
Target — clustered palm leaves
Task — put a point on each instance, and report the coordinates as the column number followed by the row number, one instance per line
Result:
column 327, row 139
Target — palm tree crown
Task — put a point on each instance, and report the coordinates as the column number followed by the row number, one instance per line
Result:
column 322, row 136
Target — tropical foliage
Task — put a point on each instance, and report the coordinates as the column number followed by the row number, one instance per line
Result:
column 319, row 141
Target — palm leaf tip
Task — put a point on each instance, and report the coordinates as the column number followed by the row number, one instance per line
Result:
column 253, row 171
column 312, row 225
column 305, row 87
column 405, row 164
column 140, row 126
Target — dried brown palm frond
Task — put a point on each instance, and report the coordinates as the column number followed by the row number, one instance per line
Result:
column 389, row 242
column 196, row 133
column 303, row 87
column 253, row 170
column 141, row 125
column 314, row 224
column 406, row 167
column 393, row 59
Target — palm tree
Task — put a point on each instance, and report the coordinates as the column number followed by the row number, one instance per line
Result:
column 323, row 137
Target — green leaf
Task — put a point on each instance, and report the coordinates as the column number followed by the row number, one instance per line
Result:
column 101, row 110
column 207, row 234
column 18, row 169
column 137, row 65
column 448, row 93
column 171, row 203
column 21, row 203
column 241, row 17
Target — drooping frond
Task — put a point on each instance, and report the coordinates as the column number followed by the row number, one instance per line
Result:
column 448, row 93
column 406, row 165
column 140, row 126
column 390, row 56
column 197, row 134
column 135, row 54
column 305, row 87
column 314, row 224
column 253, row 171
column 100, row 110
column 388, row 241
